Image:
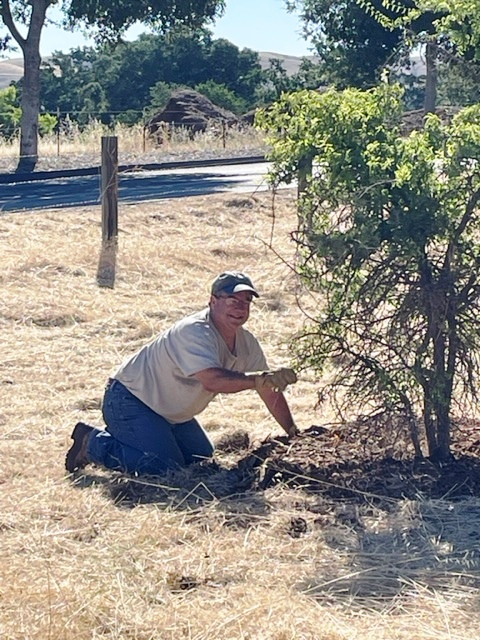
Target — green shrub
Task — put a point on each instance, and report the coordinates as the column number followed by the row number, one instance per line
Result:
column 10, row 112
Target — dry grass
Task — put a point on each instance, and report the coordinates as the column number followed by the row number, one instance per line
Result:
column 76, row 564
column 82, row 146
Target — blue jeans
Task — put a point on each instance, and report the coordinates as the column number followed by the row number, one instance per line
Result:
column 138, row 440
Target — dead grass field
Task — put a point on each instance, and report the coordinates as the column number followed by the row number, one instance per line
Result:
column 78, row 147
column 78, row 561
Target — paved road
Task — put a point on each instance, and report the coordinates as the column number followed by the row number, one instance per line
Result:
column 134, row 186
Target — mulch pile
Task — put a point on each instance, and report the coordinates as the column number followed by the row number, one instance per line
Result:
column 414, row 120
column 362, row 462
column 355, row 462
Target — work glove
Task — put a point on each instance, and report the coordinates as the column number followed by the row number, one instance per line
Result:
column 276, row 380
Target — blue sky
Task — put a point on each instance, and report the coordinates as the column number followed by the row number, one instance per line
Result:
column 261, row 25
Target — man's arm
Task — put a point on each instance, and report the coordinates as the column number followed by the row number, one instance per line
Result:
column 217, row 380
column 277, row 405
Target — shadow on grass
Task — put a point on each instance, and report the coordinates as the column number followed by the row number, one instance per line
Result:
column 188, row 489
column 399, row 528
column 421, row 548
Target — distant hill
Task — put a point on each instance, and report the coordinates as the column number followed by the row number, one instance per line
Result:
column 291, row 64
column 11, row 70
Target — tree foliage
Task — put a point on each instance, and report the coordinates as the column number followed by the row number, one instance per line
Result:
column 459, row 83
column 449, row 30
column 459, row 20
column 139, row 76
column 128, row 73
column 10, row 112
column 220, row 95
column 114, row 18
column 351, row 43
column 388, row 239
column 356, row 40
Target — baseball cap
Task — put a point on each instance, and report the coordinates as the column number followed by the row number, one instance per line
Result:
column 232, row 282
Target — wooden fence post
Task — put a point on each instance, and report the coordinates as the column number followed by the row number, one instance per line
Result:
column 109, row 187
column 304, row 172
column 224, row 134
column 107, row 262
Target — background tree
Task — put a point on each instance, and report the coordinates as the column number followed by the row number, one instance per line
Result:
column 10, row 112
column 310, row 75
column 357, row 40
column 129, row 73
column 160, row 94
column 221, row 95
column 458, row 39
column 449, row 32
column 276, row 79
column 460, row 20
column 110, row 19
column 459, row 83
column 62, row 78
column 388, row 239
column 33, row 15
column 352, row 45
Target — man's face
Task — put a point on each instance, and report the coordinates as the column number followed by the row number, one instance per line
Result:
column 231, row 310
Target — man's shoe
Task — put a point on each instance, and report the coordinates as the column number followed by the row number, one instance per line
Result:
column 77, row 457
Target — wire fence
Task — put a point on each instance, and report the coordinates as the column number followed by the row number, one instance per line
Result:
column 188, row 117
column 76, row 145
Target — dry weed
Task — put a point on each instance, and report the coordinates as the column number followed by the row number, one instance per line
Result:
column 79, row 560
column 76, row 147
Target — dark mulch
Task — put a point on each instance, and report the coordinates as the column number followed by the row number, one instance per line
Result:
column 348, row 463
column 356, row 463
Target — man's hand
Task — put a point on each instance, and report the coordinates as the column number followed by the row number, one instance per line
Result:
column 276, row 380
column 292, row 430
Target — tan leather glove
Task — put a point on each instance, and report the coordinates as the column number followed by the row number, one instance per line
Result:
column 276, row 380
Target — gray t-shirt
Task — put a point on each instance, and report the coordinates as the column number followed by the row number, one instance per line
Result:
column 161, row 373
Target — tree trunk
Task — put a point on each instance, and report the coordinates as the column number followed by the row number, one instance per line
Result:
column 443, row 427
column 30, row 110
column 430, row 426
column 430, row 101
column 441, row 403
column 441, row 375
column 31, row 87
column 305, row 168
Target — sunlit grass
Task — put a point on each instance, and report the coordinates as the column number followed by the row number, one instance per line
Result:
column 133, row 142
column 79, row 562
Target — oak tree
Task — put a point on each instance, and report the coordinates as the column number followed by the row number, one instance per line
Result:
column 351, row 44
